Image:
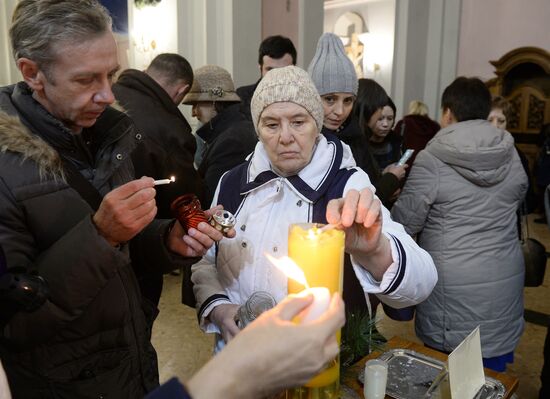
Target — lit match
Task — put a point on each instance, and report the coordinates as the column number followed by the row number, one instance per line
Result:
column 172, row 179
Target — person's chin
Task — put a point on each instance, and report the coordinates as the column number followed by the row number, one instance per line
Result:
column 286, row 166
column 333, row 125
column 88, row 121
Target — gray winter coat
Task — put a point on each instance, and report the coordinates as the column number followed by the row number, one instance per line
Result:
column 461, row 199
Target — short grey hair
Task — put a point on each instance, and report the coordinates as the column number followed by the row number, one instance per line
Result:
column 39, row 27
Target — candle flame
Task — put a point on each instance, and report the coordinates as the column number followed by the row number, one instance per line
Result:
column 289, row 268
column 172, row 179
column 312, row 233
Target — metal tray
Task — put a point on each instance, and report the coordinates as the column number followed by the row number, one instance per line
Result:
column 410, row 375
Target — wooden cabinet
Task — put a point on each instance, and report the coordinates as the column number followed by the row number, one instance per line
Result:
column 523, row 78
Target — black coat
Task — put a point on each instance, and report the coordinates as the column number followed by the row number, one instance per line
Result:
column 91, row 337
column 246, row 93
column 386, row 184
column 229, row 138
column 394, row 141
column 168, row 146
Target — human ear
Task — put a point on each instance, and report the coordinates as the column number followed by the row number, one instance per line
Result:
column 447, row 117
column 180, row 93
column 183, row 89
column 31, row 73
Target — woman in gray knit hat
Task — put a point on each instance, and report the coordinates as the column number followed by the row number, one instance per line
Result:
column 298, row 175
column 334, row 76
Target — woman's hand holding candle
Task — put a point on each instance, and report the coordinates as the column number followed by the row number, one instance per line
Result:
column 195, row 242
column 224, row 317
column 360, row 214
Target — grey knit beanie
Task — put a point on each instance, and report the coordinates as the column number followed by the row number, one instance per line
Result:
column 330, row 69
column 287, row 84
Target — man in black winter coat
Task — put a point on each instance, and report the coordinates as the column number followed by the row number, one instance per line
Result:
column 72, row 212
column 167, row 147
column 151, row 99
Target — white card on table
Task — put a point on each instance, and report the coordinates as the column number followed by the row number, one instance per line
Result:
column 466, row 375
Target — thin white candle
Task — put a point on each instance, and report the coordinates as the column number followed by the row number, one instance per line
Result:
column 165, row 181
column 321, row 295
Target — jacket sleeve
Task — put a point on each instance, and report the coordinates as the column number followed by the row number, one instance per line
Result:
column 386, row 186
column 148, row 250
column 76, row 266
column 411, row 276
column 173, row 158
column 418, row 195
column 207, row 287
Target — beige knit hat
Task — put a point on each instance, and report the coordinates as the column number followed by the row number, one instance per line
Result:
column 211, row 83
column 287, row 84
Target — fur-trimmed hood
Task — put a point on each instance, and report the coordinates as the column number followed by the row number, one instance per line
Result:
column 15, row 137
column 47, row 138
column 28, row 132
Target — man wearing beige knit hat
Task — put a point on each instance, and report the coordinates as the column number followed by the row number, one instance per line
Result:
column 298, row 175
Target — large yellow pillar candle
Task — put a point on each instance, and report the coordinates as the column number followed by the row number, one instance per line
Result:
column 320, row 255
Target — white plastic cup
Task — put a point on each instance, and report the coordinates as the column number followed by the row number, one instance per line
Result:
column 376, row 375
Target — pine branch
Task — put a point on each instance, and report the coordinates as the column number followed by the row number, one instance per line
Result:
column 359, row 338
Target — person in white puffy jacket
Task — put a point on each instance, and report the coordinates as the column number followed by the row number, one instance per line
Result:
column 298, row 175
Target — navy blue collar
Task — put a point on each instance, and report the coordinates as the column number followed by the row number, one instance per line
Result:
column 312, row 194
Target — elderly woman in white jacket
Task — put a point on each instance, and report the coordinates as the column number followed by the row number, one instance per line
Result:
column 298, row 175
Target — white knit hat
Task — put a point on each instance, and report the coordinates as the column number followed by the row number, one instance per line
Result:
column 330, row 69
column 287, row 84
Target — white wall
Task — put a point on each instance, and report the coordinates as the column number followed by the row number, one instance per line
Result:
column 491, row 28
column 226, row 33
column 426, row 48
column 379, row 17
column 221, row 32
column 152, row 31
column 8, row 71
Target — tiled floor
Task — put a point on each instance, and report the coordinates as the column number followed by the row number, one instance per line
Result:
column 183, row 348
